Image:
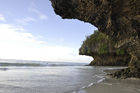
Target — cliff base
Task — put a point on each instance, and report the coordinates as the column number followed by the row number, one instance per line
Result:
column 126, row 73
column 110, row 60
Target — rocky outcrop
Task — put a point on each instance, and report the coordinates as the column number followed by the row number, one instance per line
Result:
column 101, row 48
column 110, row 60
column 119, row 19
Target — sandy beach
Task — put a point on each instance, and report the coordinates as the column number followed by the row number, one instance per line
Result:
column 114, row 86
column 55, row 80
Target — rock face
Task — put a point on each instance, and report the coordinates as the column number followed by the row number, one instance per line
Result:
column 101, row 48
column 119, row 19
column 110, row 60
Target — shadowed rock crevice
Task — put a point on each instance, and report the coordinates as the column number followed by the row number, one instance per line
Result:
column 119, row 19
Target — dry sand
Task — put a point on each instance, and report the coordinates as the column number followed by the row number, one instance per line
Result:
column 111, row 85
column 114, row 86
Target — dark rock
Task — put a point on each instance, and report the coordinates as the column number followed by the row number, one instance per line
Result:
column 126, row 73
column 110, row 60
column 101, row 48
column 120, row 19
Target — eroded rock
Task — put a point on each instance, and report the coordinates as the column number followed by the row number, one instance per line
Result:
column 101, row 47
column 119, row 19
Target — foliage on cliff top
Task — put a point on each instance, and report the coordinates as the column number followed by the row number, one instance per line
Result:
column 99, row 43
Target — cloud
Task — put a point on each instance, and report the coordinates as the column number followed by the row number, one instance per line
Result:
column 26, row 20
column 16, row 43
column 43, row 17
column 13, row 33
column 2, row 18
column 34, row 9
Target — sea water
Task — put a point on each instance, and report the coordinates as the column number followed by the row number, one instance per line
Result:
column 49, row 79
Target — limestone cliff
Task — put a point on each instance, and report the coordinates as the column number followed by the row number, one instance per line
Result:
column 119, row 19
column 101, row 48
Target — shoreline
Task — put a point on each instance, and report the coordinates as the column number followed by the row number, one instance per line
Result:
column 112, row 85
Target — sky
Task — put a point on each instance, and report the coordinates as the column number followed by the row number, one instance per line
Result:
column 30, row 30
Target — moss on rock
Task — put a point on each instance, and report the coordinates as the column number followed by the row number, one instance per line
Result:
column 101, row 48
column 120, row 19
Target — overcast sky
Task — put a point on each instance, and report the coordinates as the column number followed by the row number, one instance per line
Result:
column 30, row 30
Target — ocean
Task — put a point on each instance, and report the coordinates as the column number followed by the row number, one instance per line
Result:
column 21, row 76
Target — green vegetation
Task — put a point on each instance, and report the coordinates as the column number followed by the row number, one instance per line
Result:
column 120, row 52
column 101, row 47
column 99, row 43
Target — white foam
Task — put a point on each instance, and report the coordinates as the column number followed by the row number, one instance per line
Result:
column 101, row 80
column 91, row 84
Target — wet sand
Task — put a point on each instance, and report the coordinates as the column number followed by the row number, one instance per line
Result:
column 36, row 81
column 114, row 86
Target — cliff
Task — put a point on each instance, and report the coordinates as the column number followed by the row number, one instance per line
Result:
column 120, row 19
column 101, row 48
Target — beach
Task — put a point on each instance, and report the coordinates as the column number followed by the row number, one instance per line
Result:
column 111, row 85
column 53, row 78
column 48, row 79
